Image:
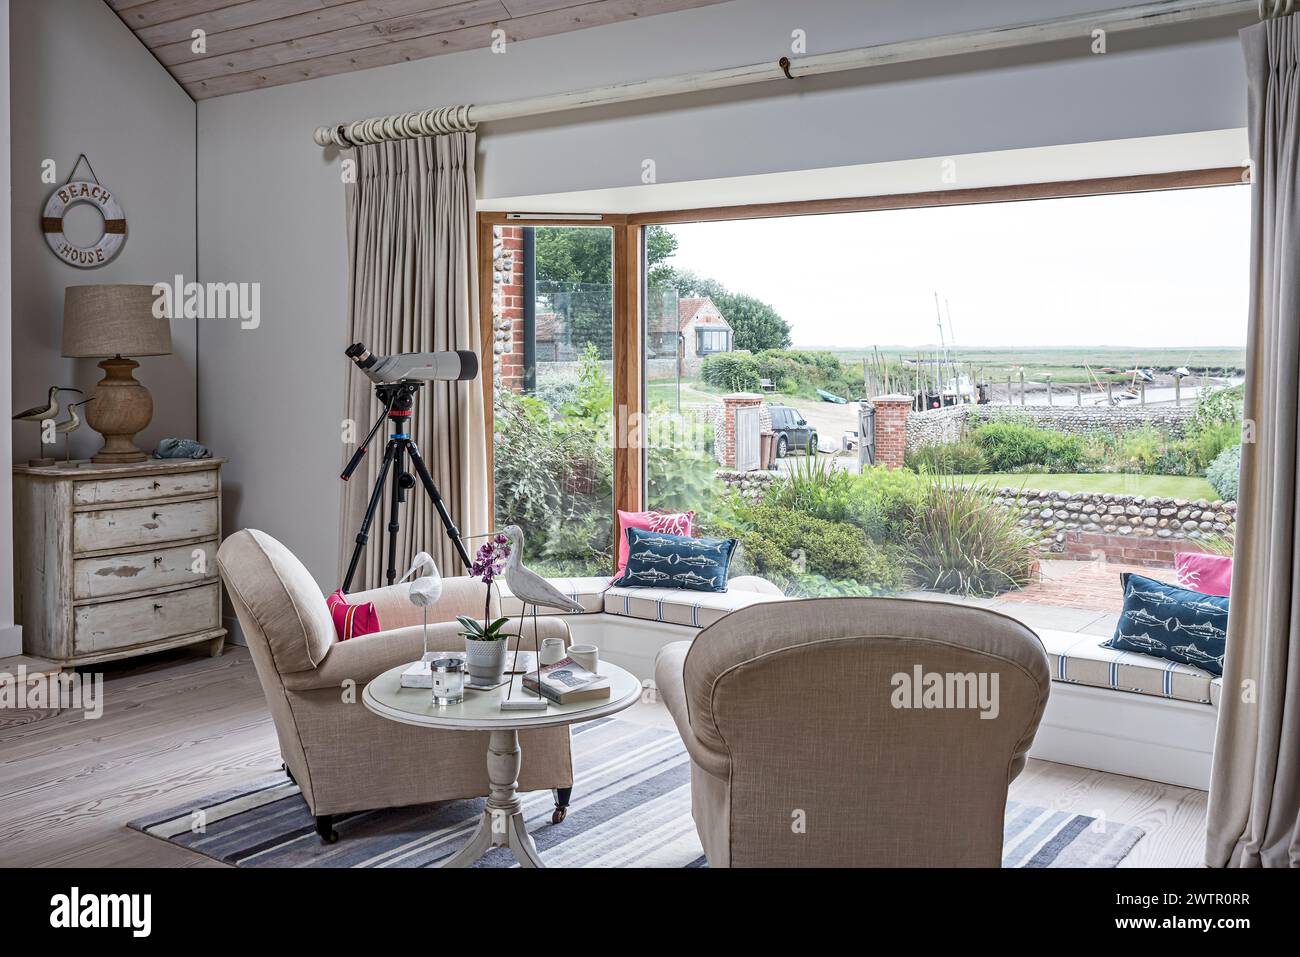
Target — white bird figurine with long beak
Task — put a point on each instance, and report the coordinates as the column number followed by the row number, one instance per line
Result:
column 425, row 590
column 531, row 589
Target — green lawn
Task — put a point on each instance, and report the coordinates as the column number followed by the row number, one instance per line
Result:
column 1165, row 486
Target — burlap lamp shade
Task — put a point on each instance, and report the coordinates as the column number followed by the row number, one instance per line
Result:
column 115, row 322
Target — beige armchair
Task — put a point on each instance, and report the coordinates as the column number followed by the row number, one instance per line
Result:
column 342, row 756
column 811, row 747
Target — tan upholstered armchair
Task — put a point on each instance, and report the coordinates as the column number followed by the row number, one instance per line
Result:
column 812, row 744
column 342, row 756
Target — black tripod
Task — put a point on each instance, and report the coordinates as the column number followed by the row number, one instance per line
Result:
column 399, row 400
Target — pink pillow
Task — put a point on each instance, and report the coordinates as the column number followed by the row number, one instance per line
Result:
column 352, row 620
column 670, row 523
column 1207, row 574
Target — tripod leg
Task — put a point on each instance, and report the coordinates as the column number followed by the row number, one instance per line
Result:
column 364, row 534
column 434, row 496
column 393, row 505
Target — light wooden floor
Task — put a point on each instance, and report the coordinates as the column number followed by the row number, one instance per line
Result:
column 178, row 726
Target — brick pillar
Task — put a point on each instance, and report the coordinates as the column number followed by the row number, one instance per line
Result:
column 725, row 444
column 891, row 428
column 508, row 306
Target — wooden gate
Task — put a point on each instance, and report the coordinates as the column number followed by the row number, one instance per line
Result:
column 747, row 439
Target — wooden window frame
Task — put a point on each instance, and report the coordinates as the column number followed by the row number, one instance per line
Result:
column 629, row 307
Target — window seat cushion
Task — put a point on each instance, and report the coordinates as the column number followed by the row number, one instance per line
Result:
column 1080, row 659
column 587, row 592
column 676, row 606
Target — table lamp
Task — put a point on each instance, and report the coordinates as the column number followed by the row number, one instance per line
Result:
column 112, row 322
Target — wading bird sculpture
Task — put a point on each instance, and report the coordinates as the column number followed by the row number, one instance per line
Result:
column 70, row 425
column 531, row 589
column 39, row 413
column 424, row 591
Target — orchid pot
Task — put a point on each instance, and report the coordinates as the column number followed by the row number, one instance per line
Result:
column 485, row 649
column 486, row 643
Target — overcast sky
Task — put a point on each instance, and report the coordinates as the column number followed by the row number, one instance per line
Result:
column 1145, row 269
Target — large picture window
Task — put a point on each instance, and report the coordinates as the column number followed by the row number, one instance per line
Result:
column 1005, row 382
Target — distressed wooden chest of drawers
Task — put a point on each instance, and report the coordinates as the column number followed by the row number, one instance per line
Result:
column 118, row 560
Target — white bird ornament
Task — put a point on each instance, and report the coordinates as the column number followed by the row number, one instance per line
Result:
column 531, row 589
column 425, row 590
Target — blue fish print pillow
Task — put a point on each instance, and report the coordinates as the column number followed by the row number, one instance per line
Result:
column 1172, row 623
column 660, row 560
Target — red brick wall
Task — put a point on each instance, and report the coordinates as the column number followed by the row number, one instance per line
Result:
column 891, row 429
column 726, row 451
column 1125, row 549
column 508, row 305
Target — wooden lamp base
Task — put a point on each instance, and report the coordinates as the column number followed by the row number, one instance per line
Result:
column 122, row 407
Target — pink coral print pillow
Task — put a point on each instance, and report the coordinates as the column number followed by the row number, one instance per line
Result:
column 670, row 523
column 1207, row 574
column 352, row 620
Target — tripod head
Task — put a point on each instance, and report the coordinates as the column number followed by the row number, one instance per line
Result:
column 399, row 406
column 398, row 397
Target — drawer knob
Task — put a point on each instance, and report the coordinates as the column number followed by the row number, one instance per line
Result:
column 157, row 560
column 155, row 516
column 156, row 606
column 157, row 484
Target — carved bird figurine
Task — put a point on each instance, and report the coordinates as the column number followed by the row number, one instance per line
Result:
column 70, row 425
column 528, row 586
column 424, row 591
column 531, row 589
column 39, row 413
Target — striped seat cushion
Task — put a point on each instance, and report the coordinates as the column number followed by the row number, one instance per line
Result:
column 695, row 609
column 1080, row 659
column 587, row 592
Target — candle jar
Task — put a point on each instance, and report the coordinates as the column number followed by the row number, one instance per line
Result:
column 448, row 681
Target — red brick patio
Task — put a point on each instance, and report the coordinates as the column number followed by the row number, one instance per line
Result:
column 1093, row 586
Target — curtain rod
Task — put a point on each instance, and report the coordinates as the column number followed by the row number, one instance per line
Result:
column 450, row 119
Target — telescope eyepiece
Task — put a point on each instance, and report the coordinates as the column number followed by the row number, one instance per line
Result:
column 359, row 354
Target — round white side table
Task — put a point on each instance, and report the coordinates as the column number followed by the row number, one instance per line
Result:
column 502, row 824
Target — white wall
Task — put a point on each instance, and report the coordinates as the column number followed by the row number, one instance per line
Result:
column 81, row 82
column 10, row 636
column 271, row 203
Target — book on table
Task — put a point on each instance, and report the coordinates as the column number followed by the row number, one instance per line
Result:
column 567, row 681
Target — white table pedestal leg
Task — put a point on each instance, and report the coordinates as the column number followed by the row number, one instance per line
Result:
column 502, row 824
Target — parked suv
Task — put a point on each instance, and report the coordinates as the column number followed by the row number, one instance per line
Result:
column 792, row 431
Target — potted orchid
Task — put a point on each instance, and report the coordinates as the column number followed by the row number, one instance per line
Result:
column 486, row 643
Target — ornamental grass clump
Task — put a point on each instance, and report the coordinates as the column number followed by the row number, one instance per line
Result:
column 965, row 544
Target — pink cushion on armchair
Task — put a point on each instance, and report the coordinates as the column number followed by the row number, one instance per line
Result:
column 1207, row 574
column 352, row 620
column 670, row 523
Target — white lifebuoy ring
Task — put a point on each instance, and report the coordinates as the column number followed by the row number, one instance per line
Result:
column 109, row 243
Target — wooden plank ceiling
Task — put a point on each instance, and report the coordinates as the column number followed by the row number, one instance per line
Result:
column 251, row 44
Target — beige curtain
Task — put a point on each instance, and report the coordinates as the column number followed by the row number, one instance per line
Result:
column 414, row 288
column 1255, row 786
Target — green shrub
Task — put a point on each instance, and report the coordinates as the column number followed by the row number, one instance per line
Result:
column 963, row 457
column 1008, row 446
column 884, row 503
column 1211, row 438
column 815, row 487
column 1224, row 472
column 731, row 371
column 784, row 545
column 966, row 545
column 1142, row 448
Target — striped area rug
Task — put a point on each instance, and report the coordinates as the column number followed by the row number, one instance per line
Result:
column 632, row 808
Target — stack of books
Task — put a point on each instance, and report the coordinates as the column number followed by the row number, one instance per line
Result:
column 567, row 681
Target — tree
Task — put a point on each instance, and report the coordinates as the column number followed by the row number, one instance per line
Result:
column 585, row 253
column 755, row 324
